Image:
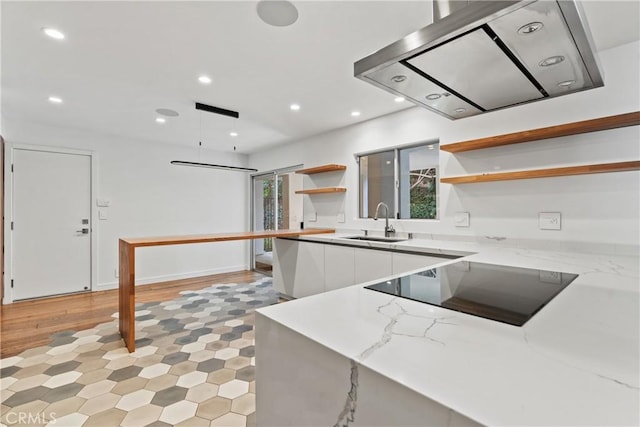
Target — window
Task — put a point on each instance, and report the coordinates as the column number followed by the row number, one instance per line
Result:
column 405, row 179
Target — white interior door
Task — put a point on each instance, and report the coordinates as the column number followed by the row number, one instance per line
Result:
column 51, row 223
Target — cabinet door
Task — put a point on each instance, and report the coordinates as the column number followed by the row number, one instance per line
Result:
column 371, row 265
column 339, row 270
column 285, row 258
column 309, row 270
column 298, row 268
column 408, row 262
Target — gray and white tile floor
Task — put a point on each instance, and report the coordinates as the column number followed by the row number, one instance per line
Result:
column 193, row 366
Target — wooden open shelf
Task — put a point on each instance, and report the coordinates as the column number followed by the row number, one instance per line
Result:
column 544, row 173
column 322, row 190
column 321, row 169
column 603, row 123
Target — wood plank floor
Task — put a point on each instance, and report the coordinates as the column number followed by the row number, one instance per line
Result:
column 30, row 324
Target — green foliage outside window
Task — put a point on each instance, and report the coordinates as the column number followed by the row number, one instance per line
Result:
column 422, row 194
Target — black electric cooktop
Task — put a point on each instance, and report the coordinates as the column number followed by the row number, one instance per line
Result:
column 506, row 294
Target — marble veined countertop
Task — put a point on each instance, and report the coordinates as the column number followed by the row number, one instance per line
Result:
column 576, row 362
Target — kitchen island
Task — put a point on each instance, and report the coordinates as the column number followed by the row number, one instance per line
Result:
column 359, row 357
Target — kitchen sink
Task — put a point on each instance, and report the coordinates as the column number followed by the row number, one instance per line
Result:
column 376, row 239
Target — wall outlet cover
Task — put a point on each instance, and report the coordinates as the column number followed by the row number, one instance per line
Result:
column 103, row 203
column 461, row 219
column 102, row 214
column 549, row 220
column 312, row 217
column 341, row 218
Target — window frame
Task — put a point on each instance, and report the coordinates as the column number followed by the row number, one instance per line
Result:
column 396, row 177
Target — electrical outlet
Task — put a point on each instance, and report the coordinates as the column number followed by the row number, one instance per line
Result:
column 341, row 218
column 461, row 219
column 554, row 277
column 116, row 272
column 549, row 220
column 312, row 217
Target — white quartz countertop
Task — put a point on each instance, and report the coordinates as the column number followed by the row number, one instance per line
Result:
column 576, row 362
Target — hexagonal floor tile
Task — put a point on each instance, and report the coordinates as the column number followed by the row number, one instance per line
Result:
column 169, row 396
column 202, row 392
column 135, row 400
column 179, row 411
column 233, row 389
column 192, row 379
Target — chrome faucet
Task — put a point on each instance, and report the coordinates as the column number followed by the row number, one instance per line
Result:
column 388, row 229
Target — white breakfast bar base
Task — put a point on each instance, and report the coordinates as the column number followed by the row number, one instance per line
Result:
column 340, row 392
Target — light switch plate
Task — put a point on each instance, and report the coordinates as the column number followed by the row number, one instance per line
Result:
column 312, row 217
column 461, row 219
column 103, row 203
column 102, row 214
column 341, row 217
column 549, row 220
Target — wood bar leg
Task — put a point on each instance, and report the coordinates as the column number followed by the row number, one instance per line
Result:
column 127, row 294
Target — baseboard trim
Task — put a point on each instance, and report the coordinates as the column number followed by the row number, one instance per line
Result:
column 168, row 277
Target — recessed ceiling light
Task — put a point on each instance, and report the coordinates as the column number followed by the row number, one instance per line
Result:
column 167, row 112
column 433, row 96
column 399, row 78
column 529, row 28
column 399, row 99
column 460, row 110
column 566, row 83
column 355, row 113
column 53, row 33
column 552, row 60
column 160, row 120
column 277, row 13
column 233, row 133
column 294, row 107
column 55, row 100
column 205, row 80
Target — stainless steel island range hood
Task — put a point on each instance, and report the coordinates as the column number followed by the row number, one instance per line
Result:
column 479, row 56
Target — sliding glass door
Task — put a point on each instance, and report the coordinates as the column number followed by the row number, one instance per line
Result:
column 275, row 207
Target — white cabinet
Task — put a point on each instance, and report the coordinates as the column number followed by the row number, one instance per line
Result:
column 407, row 262
column 298, row 268
column 303, row 268
column 339, row 269
column 371, row 265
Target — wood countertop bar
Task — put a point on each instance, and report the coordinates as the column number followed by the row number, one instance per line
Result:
column 127, row 266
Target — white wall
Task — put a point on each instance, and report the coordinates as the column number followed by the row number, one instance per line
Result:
column 595, row 208
column 150, row 197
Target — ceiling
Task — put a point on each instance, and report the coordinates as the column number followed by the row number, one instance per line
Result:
column 120, row 61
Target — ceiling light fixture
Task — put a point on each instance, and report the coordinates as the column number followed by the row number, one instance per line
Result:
column 55, row 100
column 205, row 80
column 224, row 112
column 160, row 120
column 167, row 112
column 277, row 13
column 399, row 99
column 529, row 28
column 294, row 107
column 355, row 113
column 552, row 60
column 433, row 96
column 234, row 134
column 460, row 110
column 566, row 83
column 53, row 33
column 399, row 78
column 212, row 166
